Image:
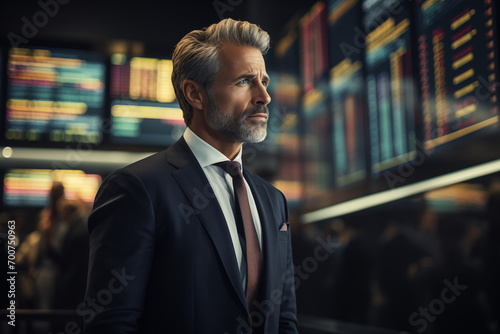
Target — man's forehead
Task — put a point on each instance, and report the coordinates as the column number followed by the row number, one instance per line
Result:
column 245, row 59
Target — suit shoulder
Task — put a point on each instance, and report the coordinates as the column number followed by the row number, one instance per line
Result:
column 147, row 168
column 140, row 175
column 149, row 164
column 139, row 182
column 161, row 164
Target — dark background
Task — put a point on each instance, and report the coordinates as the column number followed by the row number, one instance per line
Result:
column 159, row 25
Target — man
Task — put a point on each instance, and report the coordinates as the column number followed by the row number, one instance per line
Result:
column 178, row 242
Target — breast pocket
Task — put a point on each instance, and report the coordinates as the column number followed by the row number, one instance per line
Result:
column 283, row 236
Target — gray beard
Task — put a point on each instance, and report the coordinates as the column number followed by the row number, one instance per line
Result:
column 236, row 128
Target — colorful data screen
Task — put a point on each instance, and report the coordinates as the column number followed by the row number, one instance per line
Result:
column 54, row 95
column 457, row 44
column 316, row 114
column 285, row 90
column 346, row 91
column 314, row 47
column 283, row 126
column 390, row 82
column 31, row 187
column 144, row 110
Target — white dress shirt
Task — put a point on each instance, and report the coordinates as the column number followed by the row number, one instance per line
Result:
column 222, row 185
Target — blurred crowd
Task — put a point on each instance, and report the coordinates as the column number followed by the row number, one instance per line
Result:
column 405, row 268
column 52, row 258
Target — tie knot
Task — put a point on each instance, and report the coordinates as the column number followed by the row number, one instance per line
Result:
column 233, row 168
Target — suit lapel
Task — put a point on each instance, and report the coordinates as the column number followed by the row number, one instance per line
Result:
column 193, row 182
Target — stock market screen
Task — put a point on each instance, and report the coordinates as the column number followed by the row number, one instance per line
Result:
column 390, row 86
column 143, row 106
column 317, row 119
column 346, row 91
column 31, row 187
column 54, row 95
column 283, row 126
column 457, row 46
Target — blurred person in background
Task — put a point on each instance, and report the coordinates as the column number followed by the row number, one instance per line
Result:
column 455, row 279
column 34, row 255
column 27, row 265
column 72, row 257
column 492, row 260
column 398, row 252
column 351, row 296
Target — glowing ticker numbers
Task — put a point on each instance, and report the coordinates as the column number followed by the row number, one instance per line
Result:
column 31, row 187
column 317, row 119
column 150, row 79
column 457, row 65
column 389, row 83
column 54, row 95
column 439, row 78
column 314, row 52
column 346, row 92
column 143, row 106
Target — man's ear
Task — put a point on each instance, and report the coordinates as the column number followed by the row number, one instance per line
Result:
column 194, row 93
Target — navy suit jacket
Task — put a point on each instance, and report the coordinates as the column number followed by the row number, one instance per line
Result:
column 162, row 260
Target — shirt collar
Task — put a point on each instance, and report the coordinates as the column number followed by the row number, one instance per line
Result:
column 205, row 153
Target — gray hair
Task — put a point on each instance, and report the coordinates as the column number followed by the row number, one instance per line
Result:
column 196, row 56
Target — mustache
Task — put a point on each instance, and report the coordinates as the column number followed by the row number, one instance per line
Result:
column 257, row 110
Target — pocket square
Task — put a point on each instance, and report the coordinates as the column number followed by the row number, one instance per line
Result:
column 284, row 227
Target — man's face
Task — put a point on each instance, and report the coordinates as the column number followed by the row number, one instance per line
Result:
column 237, row 105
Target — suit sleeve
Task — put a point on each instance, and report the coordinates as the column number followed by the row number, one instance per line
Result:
column 122, row 230
column 288, row 310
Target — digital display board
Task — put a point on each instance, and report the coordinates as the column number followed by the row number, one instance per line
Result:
column 54, row 95
column 314, row 47
column 457, row 46
column 31, row 187
column 283, row 127
column 390, row 83
column 317, row 156
column 346, row 92
column 143, row 106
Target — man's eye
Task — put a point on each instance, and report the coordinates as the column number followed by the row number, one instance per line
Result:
column 265, row 83
column 244, row 81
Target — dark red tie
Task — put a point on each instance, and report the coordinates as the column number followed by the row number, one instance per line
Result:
column 254, row 255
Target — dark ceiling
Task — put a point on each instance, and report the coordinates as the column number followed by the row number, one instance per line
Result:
column 158, row 25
